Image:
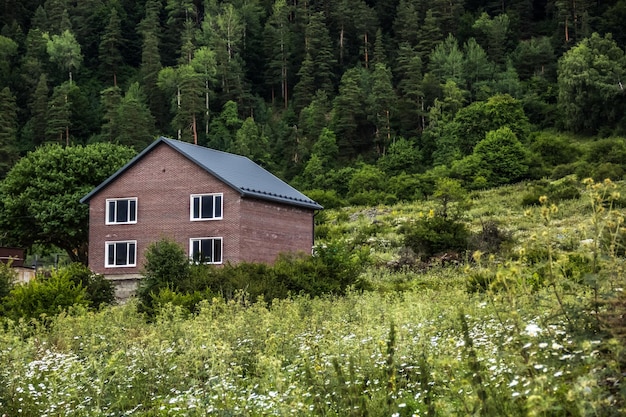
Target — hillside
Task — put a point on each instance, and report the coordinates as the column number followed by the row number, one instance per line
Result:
column 535, row 328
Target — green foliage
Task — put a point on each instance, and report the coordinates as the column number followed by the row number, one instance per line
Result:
column 44, row 297
column 565, row 189
column 327, row 198
column 98, row 290
column 40, row 197
column 7, row 279
column 555, row 149
column 436, row 235
column 590, row 74
column 502, row 157
column 166, row 266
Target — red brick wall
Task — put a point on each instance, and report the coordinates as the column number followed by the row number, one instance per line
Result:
column 268, row 229
column 252, row 230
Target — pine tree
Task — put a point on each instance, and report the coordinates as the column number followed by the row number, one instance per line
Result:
column 406, row 25
column 409, row 73
column 382, row 105
column 39, row 111
column 109, row 50
column 8, row 49
column 430, row 35
column 182, row 16
column 305, row 88
column 8, row 130
column 279, row 49
column 110, row 99
column 317, row 43
column 149, row 27
column 135, row 124
column 59, row 115
column 446, row 62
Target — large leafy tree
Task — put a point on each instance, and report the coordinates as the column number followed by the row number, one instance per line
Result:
column 591, row 79
column 39, row 198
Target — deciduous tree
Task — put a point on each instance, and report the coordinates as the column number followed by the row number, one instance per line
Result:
column 39, row 198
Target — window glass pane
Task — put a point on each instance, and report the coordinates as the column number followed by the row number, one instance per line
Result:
column 217, row 250
column 206, row 250
column 131, row 253
column 196, row 207
column 111, row 211
column 122, row 211
column 122, row 253
column 110, row 254
column 218, row 206
column 133, row 211
column 195, row 250
column 207, row 207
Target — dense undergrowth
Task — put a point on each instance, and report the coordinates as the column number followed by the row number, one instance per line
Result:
column 532, row 326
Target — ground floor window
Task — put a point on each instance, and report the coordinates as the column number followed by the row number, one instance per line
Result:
column 206, row 250
column 121, row 254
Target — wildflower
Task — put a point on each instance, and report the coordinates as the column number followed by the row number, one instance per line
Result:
column 532, row 329
column 543, row 199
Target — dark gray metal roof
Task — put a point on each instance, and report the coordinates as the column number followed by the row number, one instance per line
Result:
column 238, row 172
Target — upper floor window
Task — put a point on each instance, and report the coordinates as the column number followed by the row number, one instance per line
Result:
column 121, row 211
column 206, row 250
column 121, row 254
column 206, row 206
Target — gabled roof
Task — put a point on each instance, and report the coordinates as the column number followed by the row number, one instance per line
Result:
column 238, row 172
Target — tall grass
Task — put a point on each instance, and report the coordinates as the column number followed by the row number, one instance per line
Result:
column 542, row 335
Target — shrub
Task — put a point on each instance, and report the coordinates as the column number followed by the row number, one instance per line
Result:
column 98, row 289
column 608, row 170
column 555, row 149
column 491, row 238
column 565, row 189
column 327, row 198
column 7, row 278
column 44, row 297
column 167, row 266
column 502, row 156
column 435, row 235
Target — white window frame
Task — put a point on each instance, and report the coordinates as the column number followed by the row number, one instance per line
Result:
column 116, row 201
column 212, row 238
column 200, row 196
column 108, row 244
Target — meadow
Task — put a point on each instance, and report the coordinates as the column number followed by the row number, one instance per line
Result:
column 536, row 329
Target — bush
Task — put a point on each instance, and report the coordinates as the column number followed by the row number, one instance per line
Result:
column 608, row 170
column 327, row 198
column 555, row 149
column 436, row 235
column 167, row 266
column 491, row 238
column 565, row 189
column 98, row 289
column 7, row 278
column 44, row 297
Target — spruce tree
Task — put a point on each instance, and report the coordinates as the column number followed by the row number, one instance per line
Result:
column 109, row 49
column 39, row 111
column 8, row 130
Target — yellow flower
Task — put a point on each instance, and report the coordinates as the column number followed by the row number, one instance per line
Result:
column 543, row 199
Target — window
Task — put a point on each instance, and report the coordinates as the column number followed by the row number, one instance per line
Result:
column 121, row 254
column 206, row 250
column 121, row 211
column 206, row 206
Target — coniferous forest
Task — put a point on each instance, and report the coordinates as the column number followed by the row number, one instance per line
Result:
column 367, row 100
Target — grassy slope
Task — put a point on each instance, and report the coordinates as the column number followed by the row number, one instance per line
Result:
column 432, row 348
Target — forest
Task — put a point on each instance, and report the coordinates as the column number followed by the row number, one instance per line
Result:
column 384, row 95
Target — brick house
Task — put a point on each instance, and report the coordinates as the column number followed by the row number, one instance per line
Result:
column 218, row 206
